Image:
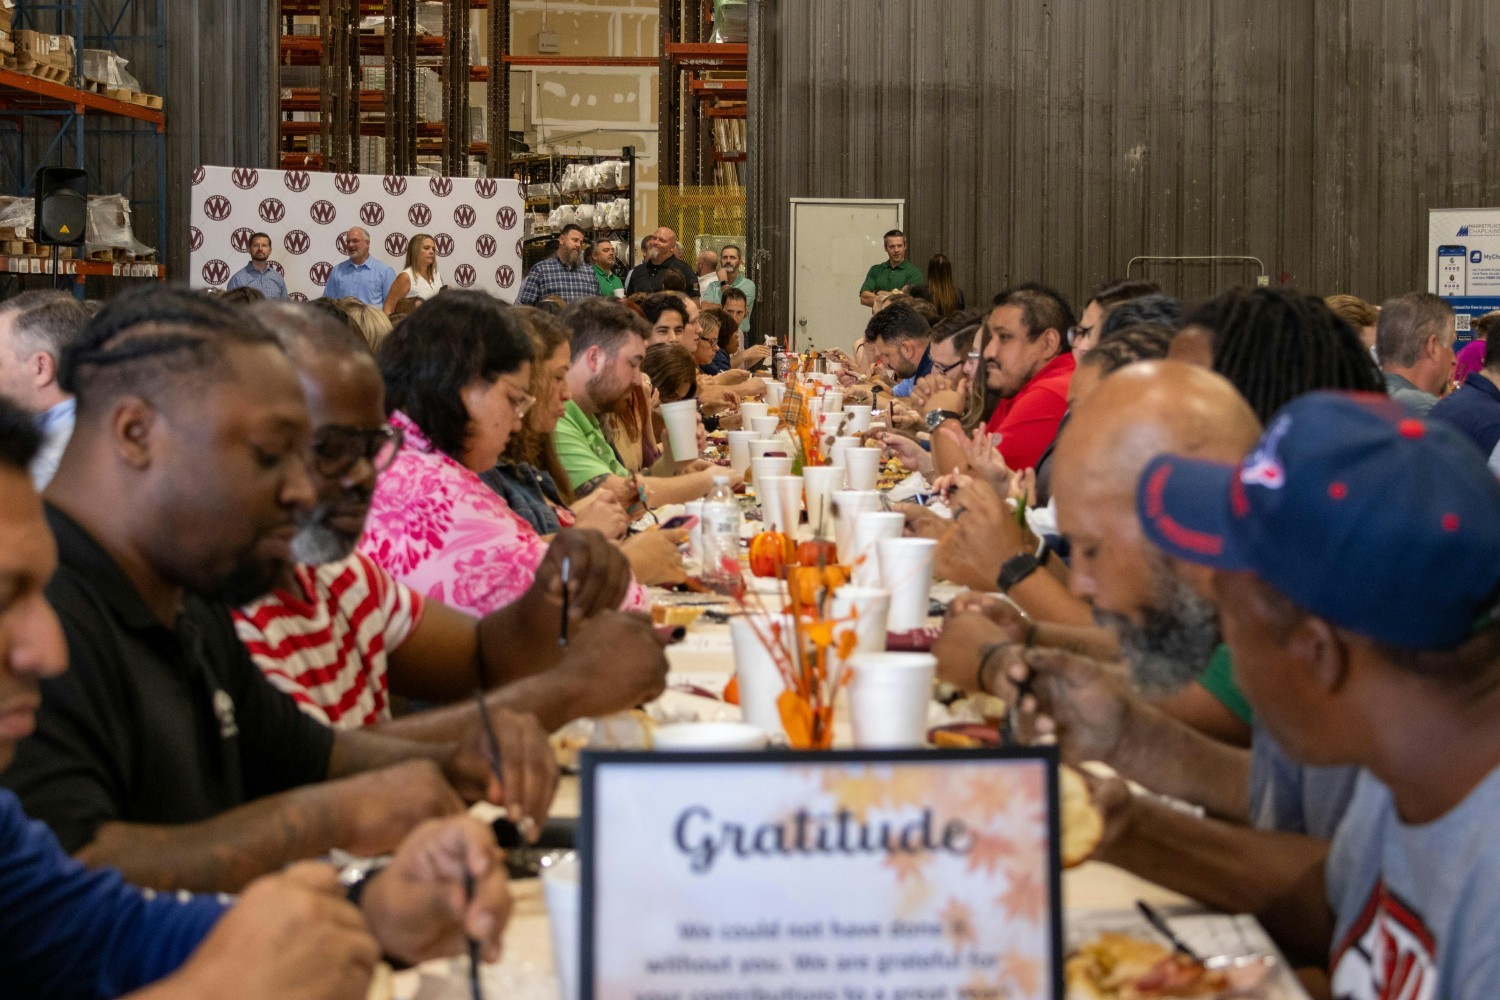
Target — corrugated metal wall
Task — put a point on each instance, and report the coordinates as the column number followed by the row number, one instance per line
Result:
column 1055, row 140
column 217, row 95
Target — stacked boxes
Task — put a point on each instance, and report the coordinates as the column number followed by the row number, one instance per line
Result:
column 39, row 54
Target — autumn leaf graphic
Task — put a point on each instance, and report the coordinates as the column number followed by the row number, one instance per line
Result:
column 989, row 851
column 906, row 865
column 1023, row 972
column 1026, row 896
column 958, row 924
column 858, row 792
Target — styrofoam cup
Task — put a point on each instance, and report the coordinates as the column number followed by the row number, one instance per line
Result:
column 765, row 427
column 750, row 410
column 906, row 571
column 764, row 468
column 841, row 445
column 869, row 528
column 781, row 503
column 888, row 698
column 775, row 393
column 863, row 467
column 820, row 482
column 562, row 887
column 739, row 450
column 870, row 608
column 833, row 402
column 681, row 419
column 859, row 418
column 848, row 505
column 761, row 682
column 760, row 447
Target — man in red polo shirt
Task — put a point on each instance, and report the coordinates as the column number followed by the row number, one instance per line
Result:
column 1028, row 364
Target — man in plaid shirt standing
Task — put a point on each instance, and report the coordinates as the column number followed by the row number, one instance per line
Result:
column 564, row 274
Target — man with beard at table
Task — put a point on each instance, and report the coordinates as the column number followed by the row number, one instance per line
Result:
column 564, row 274
column 340, row 635
column 1351, row 658
column 163, row 751
column 1167, row 631
column 75, row 933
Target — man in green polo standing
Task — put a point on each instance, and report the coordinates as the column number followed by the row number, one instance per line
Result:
column 603, row 258
column 891, row 275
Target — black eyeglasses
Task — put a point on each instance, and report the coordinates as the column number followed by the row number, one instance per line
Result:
column 338, row 449
column 943, row 369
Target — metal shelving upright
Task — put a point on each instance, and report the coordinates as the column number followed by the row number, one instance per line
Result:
column 27, row 102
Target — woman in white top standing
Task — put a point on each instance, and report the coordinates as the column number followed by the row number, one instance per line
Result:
column 420, row 279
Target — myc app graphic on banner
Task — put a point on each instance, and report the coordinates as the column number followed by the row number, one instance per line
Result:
column 846, row 876
column 1463, row 261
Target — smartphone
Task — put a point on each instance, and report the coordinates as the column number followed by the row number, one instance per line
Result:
column 1452, row 270
column 687, row 522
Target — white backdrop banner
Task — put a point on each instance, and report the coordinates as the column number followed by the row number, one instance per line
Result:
column 476, row 223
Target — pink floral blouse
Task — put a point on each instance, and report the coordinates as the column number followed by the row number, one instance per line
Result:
column 436, row 527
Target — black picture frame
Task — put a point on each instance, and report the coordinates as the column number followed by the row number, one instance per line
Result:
column 592, row 761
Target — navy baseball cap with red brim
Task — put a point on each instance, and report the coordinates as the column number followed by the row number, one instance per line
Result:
column 1355, row 510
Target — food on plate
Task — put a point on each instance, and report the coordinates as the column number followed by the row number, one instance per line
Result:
column 1116, row 966
column 769, row 552
column 674, row 614
column 964, row 735
column 1082, row 822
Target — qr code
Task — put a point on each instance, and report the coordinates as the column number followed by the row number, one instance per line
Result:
column 1462, row 322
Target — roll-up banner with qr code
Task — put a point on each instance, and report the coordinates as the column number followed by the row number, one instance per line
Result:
column 1463, row 262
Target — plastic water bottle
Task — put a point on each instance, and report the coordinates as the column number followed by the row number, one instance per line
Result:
column 721, row 537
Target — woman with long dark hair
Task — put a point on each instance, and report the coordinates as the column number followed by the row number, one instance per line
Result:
column 939, row 289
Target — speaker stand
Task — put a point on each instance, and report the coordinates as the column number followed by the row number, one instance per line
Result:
column 56, row 275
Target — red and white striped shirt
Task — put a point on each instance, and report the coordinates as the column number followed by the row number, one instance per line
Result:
column 330, row 653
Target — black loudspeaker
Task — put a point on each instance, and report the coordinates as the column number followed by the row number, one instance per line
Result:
column 62, row 206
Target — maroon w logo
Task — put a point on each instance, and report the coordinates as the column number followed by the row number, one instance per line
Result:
column 394, row 185
column 216, row 272
column 240, row 239
column 505, row 275
column 464, row 216
column 465, row 276
column 419, row 215
column 395, row 244
column 276, row 264
column 320, row 272
column 297, row 296
column 519, row 248
column 195, row 239
column 346, row 183
column 486, row 187
column 341, row 243
column 272, row 210
column 217, row 207
column 444, row 244
column 506, row 217
column 441, row 186
column 198, row 175
column 244, row 178
column 371, row 214
column 296, row 242
column 323, row 212
column 485, row 246
column 297, row 180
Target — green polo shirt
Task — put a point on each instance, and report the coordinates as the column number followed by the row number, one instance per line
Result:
column 1219, row 680
column 608, row 283
column 883, row 277
column 582, row 448
column 715, row 291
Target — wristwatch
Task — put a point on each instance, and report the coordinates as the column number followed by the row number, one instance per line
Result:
column 1015, row 569
column 935, row 419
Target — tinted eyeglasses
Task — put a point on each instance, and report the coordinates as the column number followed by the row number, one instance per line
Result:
column 336, row 450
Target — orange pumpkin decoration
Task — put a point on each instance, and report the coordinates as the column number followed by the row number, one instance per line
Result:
column 769, row 552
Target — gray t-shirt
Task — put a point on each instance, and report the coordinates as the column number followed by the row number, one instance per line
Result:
column 1294, row 798
column 1417, row 906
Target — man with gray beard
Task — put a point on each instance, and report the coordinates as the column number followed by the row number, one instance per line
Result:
column 1095, row 709
column 564, row 274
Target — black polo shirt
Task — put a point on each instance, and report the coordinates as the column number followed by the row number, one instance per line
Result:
column 152, row 724
column 646, row 277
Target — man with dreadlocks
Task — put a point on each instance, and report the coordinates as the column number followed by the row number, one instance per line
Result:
column 164, row 752
column 1275, row 344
